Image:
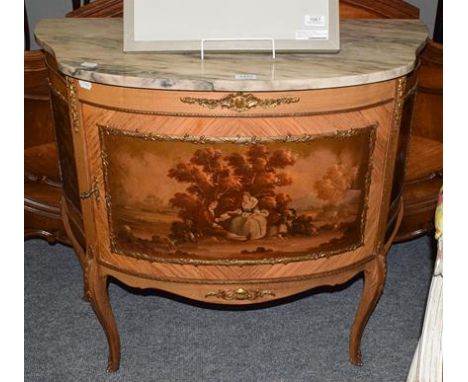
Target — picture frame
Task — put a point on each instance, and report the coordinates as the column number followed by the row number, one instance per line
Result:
column 227, row 26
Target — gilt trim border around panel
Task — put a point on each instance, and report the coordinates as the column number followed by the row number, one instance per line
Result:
column 370, row 130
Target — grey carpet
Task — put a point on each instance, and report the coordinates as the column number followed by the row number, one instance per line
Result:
column 165, row 339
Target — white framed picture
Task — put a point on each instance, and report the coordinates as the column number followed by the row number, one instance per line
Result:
column 223, row 25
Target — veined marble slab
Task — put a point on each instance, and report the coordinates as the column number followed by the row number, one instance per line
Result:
column 371, row 51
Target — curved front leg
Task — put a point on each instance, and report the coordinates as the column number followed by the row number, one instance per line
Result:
column 98, row 296
column 80, row 253
column 374, row 280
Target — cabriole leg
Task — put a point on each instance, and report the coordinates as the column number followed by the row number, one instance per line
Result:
column 374, row 280
column 82, row 258
column 99, row 298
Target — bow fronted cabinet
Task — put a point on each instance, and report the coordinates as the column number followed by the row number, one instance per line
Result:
column 178, row 176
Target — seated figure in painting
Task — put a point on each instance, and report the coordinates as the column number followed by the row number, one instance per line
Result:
column 248, row 222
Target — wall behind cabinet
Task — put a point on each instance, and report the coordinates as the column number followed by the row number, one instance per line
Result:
column 39, row 9
column 428, row 10
column 43, row 9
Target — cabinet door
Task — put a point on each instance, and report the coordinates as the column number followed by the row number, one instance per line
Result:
column 236, row 198
column 217, row 186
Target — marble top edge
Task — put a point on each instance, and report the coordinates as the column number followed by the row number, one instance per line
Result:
column 371, row 51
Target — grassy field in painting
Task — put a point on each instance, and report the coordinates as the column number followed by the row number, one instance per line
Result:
column 145, row 224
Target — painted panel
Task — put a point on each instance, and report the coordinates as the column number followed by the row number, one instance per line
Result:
column 236, row 199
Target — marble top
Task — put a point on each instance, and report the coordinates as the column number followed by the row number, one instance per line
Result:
column 371, row 51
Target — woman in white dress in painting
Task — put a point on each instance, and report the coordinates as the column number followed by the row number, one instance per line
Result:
column 249, row 223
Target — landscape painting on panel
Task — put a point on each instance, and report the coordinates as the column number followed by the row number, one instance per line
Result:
column 178, row 199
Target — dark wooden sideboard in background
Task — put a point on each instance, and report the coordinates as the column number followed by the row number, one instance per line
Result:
column 423, row 178
column 42, row 180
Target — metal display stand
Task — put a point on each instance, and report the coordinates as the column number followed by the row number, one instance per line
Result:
column 203, row 41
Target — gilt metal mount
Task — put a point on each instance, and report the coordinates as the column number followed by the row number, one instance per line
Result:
column 240, row 294
column 239, row 102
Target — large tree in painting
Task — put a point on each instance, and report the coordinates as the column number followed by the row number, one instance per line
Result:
column 219, row 182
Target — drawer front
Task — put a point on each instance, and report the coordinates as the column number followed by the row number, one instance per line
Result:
column 239, row 292
column 236, row 104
